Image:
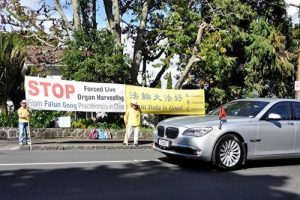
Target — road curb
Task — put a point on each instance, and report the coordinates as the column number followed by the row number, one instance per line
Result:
column 83, row 147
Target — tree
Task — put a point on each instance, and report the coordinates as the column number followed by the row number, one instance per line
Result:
column 169, row 81
column 158, row 85
column 261, row 56
column 240, row 51
column 269, row 61
column 11, row 63
column 112, row 9
column 188, row 24
column 146, row 17
column 34, row 23
column 141, row 27
column 231, row 51
column 94, row 59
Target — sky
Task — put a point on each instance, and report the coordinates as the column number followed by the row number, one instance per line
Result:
column 292, row 12
column 35, row 4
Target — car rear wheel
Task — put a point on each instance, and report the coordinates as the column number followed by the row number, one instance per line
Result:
column 228, row 153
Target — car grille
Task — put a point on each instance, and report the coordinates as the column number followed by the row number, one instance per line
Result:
column 160, row 131
column 172, row 132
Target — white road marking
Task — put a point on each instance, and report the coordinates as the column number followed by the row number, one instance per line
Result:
column 72, row 163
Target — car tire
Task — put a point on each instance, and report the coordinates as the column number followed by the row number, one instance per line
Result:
column 228, row 153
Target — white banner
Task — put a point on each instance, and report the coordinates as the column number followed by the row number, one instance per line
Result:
column 61, row 95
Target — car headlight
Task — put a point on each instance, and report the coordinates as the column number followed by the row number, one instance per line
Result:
column 197, row 132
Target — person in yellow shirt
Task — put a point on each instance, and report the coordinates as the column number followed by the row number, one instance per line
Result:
column 132, row 119
column 24, row 116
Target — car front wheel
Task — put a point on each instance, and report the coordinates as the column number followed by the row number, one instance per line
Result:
column 228, row 153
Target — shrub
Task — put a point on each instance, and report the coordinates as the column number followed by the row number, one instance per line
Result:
column 10, row 120
column 106, row 125
column 88, row 123
column 82, row 123
column 44, row 119
column 38, row 119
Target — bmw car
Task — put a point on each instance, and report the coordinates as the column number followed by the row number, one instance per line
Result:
column 250, row 129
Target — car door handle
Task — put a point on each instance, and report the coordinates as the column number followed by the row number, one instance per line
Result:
column 291, row 123
column 255, row 140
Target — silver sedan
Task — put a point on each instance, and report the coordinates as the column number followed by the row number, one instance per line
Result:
column 252, row 129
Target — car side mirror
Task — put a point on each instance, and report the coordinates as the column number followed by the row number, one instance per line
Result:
column 273, row 116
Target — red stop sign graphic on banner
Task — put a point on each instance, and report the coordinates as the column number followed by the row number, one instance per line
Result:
column 45, row 88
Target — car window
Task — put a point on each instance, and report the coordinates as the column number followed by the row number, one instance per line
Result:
column 296, row 107
column 242, row 108
column 282, row 109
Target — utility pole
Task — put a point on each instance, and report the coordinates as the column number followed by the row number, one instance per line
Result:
column 297, row 94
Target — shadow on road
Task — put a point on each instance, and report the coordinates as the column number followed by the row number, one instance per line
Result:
column 194, row 165
column 201, row 165
column 141, row 181
column 273, row 163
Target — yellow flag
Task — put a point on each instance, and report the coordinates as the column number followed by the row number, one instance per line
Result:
column 167, row 101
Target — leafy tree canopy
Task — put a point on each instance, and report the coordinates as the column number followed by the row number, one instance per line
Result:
column 11, row 63
column 231, row 48
column 94, row 59
column 243, row 50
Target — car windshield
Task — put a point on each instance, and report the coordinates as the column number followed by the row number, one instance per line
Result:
column 242, row 108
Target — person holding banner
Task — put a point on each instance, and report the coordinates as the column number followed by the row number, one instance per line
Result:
column 132, row 121
column 24, row 115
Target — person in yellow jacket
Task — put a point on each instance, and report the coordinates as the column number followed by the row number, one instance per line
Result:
column 132, row 121
column 24, row 116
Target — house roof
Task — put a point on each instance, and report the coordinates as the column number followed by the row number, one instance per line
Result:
column 41, row 55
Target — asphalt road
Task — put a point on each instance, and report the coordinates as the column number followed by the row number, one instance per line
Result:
column 138, row 174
